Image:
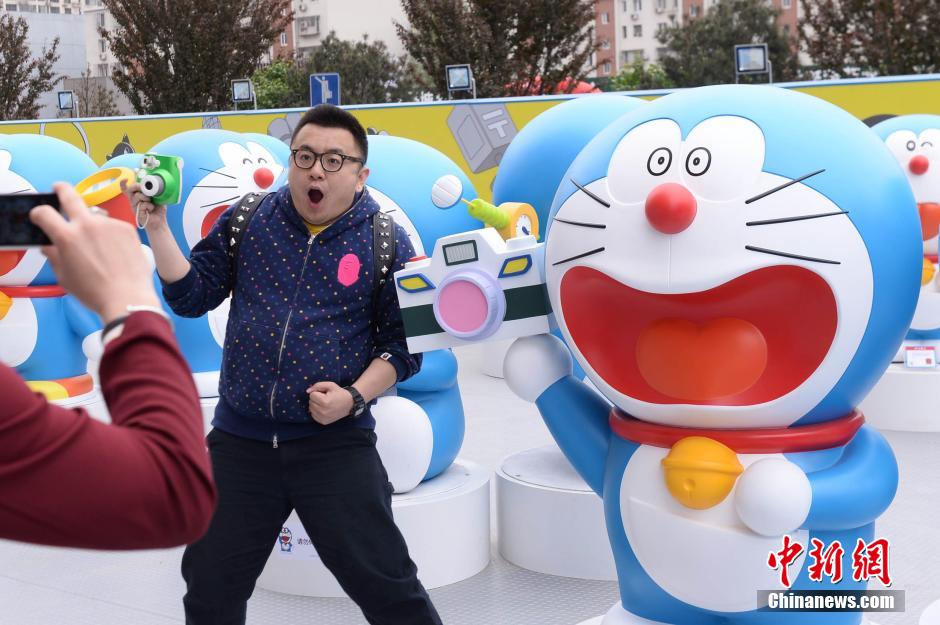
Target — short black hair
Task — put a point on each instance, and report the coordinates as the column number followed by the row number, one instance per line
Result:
column 329, row 116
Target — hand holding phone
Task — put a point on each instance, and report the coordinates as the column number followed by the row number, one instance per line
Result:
column 16, row 229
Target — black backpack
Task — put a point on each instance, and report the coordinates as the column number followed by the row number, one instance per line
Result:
column 384, row 241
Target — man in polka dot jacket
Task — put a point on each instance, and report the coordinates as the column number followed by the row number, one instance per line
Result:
column 306, row 352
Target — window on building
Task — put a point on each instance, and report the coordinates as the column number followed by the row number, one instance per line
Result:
column 638, row 30
column 660, row 5
column 68, row 11
column 624, row 57
column 99, row 19
column 53, row 9
column 786, row 30
column 605, row 18
column 623, row 5
column 693, row 10
column 637, row 5
column 102, row 46
column 10, row 7
column 634, row 55
column 283, row 39
column 660, row 28
column 103, row 70
column 605, row 69
column 625, row 31
column 786, row 4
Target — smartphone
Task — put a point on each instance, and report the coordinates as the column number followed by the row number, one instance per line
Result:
column 16, row 230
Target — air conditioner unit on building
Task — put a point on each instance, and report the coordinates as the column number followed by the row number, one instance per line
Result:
column 103, row 56
column 635, row 17
column 660, row 9
column 302, row 7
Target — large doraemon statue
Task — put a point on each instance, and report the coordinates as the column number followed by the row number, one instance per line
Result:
column 219, row 167
column 42, row 329
column 731, row 267
column 421, row 189
column 915, row 142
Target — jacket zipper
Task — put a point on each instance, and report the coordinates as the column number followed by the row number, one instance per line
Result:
column 277, row 370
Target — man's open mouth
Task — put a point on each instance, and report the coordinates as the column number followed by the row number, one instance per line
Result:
column 745, row 342
column 315, row 196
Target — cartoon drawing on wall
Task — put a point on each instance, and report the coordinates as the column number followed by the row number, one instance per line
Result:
column 122, row 148
column 733, row 267
column 212, row 122
column 283, row 127
column 483, row 132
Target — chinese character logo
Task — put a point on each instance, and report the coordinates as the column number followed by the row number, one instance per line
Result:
column 784, row 558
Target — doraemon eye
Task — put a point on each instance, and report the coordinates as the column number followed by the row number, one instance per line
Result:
column 911, row 145
column 902, row 143
column 247, row 161
column 698, row 161
column 262, row 161
column 643, row 160
column 235, row 155
column 723, row 158
column 659, row 161
column 929, row 141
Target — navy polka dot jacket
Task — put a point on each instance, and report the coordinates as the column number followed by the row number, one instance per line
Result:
column 301, row 312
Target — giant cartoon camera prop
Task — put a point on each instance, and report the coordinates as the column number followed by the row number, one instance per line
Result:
column 476, row 287
column 161, row 178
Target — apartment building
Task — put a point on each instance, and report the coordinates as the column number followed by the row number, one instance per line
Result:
column 350, row 19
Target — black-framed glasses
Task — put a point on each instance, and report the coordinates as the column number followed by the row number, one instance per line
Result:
column 330, row 162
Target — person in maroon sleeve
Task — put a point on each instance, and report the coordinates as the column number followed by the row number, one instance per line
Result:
column 144, row 481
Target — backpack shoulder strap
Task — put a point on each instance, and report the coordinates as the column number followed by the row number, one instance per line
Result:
column 383, row 255
column 237, row 225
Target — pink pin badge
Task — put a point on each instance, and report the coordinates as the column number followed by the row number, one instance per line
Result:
column 348, row 272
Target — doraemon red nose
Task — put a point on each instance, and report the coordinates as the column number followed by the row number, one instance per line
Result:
column 919, row 165
column 264, row 177
column 670, row 208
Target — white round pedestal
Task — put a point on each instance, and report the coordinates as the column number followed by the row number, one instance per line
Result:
column 445, row 522
column 548, row 519
column 617, row 616
column 208, row 410
column 92, row 402
column 931, row 615
column 493, row 355
column 904, row 400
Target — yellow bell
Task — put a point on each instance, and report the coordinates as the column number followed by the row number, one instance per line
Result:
column 700, row 472
column 927, row 273
column 5, row 304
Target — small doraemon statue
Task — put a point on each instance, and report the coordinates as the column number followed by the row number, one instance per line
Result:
column 219, row 167
column 42, row 329
column 915, row 142
column 730, row 267
column 421, row 430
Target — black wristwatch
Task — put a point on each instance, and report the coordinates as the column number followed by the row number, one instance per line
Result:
column 359, row 404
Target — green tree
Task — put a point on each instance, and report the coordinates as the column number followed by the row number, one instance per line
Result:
column 369, row 74
column 183, row 55
column 24, row 78
column 515, row 47
column 639, row 76
column 701, row 51
column 863, row 37
column 94, row 99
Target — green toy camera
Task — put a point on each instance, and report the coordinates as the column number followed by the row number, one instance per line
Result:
column 161, row 178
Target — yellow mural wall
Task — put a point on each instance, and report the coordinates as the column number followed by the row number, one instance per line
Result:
column 473, row 135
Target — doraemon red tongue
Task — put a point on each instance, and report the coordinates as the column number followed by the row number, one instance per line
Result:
column 929, row 219
column 748, row 341
column 9, row 259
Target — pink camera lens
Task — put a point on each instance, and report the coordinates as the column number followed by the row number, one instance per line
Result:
column 463, row 306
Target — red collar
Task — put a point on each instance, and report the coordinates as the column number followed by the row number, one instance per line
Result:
column 759, row 441
column 52, row 290
column 931, row 257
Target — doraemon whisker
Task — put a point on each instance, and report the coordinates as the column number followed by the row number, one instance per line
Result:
column 782, row 187
column 214, row 186
column 20, row 191
column 598, row 250
column 214, row 171
column 783, row 220
column 788, row 255
column 219, row 202
column 590, row 195
column 579, row 223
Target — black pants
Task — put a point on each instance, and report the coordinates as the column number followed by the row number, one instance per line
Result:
column 337, row 484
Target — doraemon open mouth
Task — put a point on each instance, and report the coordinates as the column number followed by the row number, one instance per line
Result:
column 745, row 342
column 211, row 217
column 9, row 259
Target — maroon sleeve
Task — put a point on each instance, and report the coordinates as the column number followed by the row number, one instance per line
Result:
column 143, row 482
